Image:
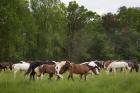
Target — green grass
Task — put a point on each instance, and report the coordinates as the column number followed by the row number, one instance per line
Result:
column 113, row 83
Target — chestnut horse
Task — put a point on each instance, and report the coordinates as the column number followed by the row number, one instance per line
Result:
column 81, row 69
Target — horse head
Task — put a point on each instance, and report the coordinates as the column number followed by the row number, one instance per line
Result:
column 65, row 67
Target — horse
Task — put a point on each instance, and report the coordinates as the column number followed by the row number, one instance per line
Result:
column 52, row 69
column 5, row 65
column 106, row 63
column 100, row 64
column 81, row 69
column 23, row 66
column 133, row 65
column 92, row 64
column 33, row 65
column 118, row 65
column 58, row 67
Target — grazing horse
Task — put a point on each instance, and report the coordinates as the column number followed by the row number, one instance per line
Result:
column 118, row 64
column 100, row 64
column 106, row 63
column 5, row 65
column 23, row 66
column 133, row 65
column 81, row 69
column 33, row 65
column 51, row 70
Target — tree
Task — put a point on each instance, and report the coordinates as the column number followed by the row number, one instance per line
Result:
column 16, row 27
column 78, row 17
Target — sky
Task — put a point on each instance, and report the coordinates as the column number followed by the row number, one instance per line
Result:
column 105, row 6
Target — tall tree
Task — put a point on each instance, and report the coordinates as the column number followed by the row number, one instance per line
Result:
column 50, row 18
column 15, row 22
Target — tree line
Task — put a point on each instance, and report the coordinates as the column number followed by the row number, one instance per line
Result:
column 51, row 30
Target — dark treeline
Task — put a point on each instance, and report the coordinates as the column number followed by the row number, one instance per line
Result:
column 51, row 30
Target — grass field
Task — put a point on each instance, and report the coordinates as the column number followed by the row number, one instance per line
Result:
column 114, row 83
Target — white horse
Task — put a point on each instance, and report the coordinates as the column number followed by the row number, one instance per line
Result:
column 93, row 64
column 23, row 66
column 118, row 65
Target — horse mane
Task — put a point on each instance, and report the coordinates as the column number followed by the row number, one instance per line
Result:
column 23, row 62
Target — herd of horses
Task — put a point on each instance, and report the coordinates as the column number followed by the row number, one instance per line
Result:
column 37, row 69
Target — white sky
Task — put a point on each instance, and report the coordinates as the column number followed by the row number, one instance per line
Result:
column 105, row 6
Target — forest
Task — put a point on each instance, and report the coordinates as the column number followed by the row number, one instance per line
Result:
column 51, row 30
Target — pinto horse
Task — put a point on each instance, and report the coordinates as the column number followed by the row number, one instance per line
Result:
column 118, row 65
column 100, row 64
column 59, row 66
column 93, row 64
column 81, row 69
column 133, row 65
column 51, row 70
column 33, row 65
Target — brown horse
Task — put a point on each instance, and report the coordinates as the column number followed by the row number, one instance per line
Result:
column 81, row 69
column 45, row 68
column 51, row 70
column 106, row 63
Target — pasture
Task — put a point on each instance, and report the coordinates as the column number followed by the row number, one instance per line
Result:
column 113, row 83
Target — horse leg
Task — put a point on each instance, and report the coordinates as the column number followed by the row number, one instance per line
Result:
column 50, row 76
column 57, row 77
column 4, row 69
column 81, row 76
column 32, row 75
column 131, row 69
column 39, row 76
column 108, row 70
column 114, row 70
column 42, row 76
column 72, row 77
column 85, row 76
column 69, row 77
column 15, row 73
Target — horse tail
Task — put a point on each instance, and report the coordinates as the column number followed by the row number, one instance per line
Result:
column 12, row 66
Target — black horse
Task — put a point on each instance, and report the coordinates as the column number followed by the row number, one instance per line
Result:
column 6, row 65
column 35, row 64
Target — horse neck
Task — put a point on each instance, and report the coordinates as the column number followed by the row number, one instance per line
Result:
column 61, row 63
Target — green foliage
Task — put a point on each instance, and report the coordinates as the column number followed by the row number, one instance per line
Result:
column 50, row 30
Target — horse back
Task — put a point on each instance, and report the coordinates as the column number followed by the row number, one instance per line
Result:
column 79, row 68
column 48, row 68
